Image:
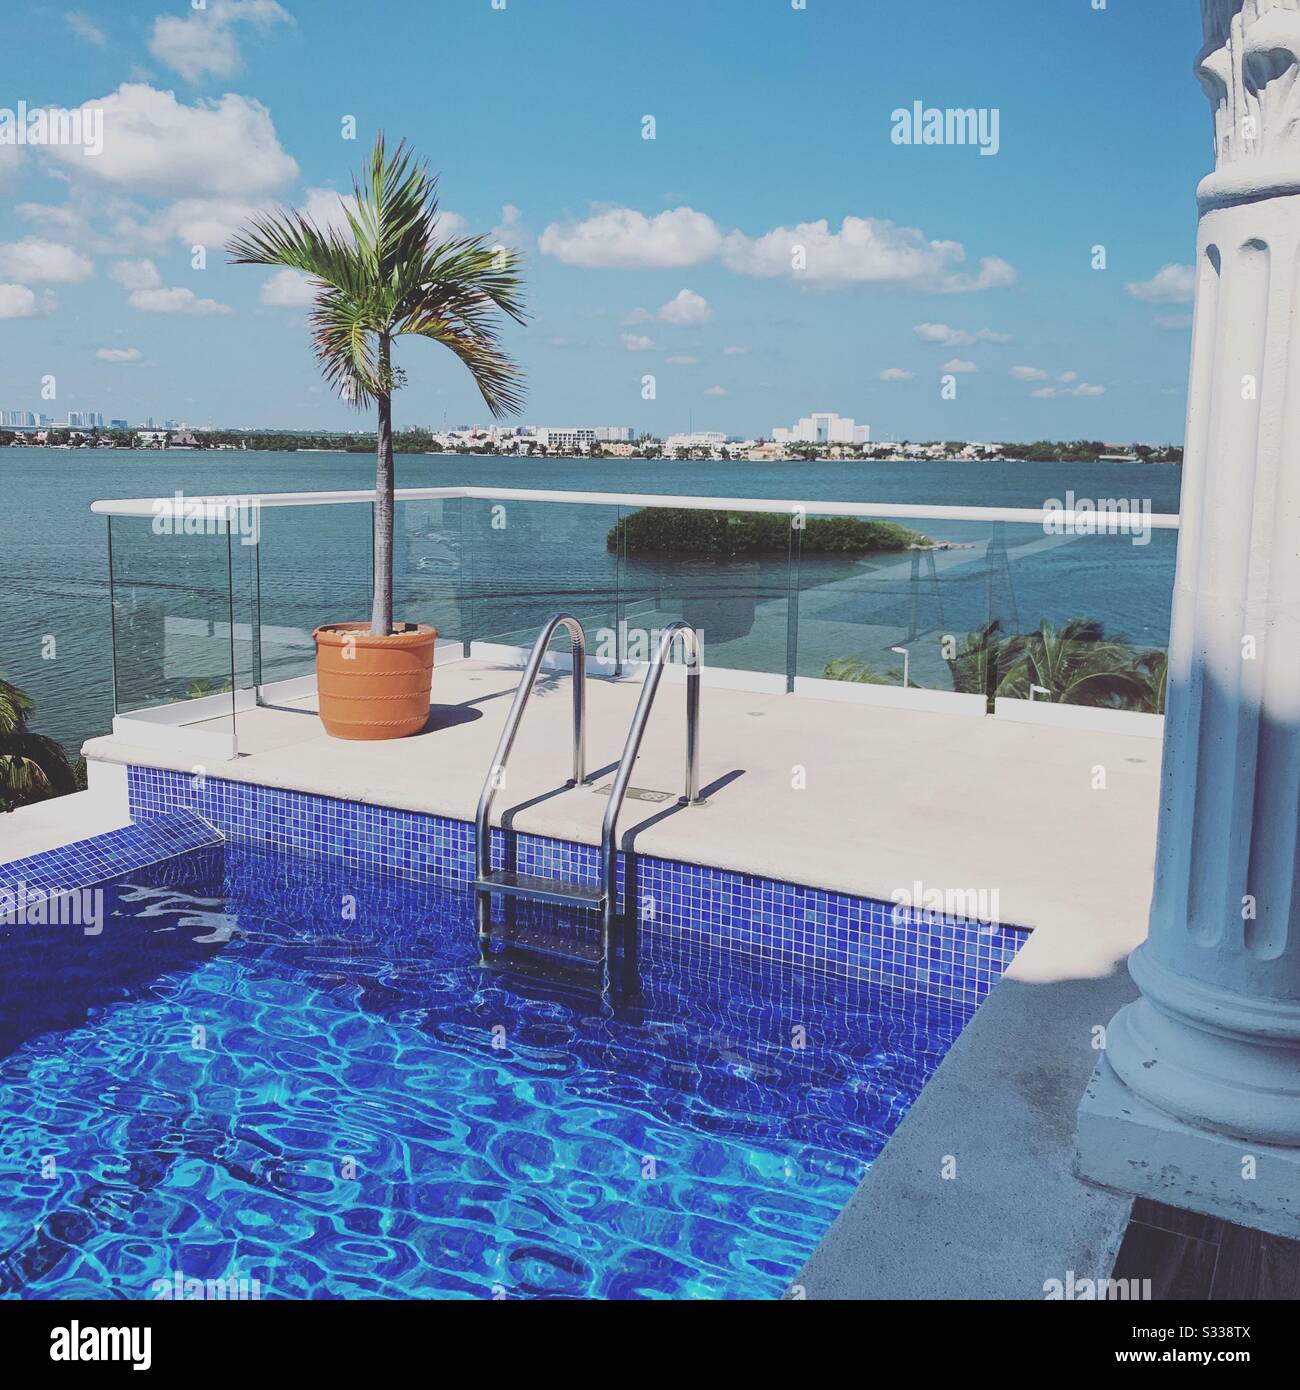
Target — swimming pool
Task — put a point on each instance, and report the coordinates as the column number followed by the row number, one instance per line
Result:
column 280, row 1069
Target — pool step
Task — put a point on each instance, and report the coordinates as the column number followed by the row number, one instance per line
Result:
column 535, row 942
column 541, row 889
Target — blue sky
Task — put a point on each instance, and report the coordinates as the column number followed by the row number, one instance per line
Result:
column 770, row 121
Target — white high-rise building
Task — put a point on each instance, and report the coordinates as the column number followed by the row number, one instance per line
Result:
column 823, row 427
column 699, row 439
column 569, row 440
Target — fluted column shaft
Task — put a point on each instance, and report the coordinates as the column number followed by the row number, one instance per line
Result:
column 1214, row 1041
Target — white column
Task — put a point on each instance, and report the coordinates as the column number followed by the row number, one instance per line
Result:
column 1197, row 1098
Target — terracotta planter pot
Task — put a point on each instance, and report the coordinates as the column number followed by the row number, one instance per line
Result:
column 374, row 687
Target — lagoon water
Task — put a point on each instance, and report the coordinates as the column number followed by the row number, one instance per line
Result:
column 54, row 601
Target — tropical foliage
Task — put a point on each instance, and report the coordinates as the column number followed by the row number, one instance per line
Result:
column 861, row 672
column 388, row 273
column 32, row 766
column 710, row 535
column 1077, row 664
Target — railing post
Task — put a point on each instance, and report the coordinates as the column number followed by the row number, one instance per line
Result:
column 792, row 607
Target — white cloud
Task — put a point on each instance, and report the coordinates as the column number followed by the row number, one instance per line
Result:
column 681, row 361
column 687, row 309
column 896, row 374
column 1068, row 377
column 945, row 336
column 865, row 251
column 118, row 354
column 51, row 214
column 17, row 302
column 624, row 239
column 1029, row 374
column 85, row 29
column 175, row 301
column 154, row 144
column 204, row 43
column 136, row 275
column 716, row 391
column 148, row 293
column 636, row 342
column 288, row 289
column 509, row 231
column 1084, row 388
column 957, row 365
column 44, row 262
column 328, row 208
column 191, row 221
column 735, row 351
column 1172, row 284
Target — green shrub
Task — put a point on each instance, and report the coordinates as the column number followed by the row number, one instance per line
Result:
column 714, row 535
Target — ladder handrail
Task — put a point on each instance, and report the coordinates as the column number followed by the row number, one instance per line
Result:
column 491, row 785
column 690, row 640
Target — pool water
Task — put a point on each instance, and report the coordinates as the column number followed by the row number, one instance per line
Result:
column 283, row 1070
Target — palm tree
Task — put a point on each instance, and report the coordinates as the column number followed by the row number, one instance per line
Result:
column 976, row 667
column 847, row 668
column 391, row 274
column 1079, row 665
column 1154, row 666
column 32, row 766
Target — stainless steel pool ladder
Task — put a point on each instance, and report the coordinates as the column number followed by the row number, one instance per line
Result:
column 603, row 897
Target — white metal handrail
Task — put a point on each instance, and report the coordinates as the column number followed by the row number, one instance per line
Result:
column 150, row 506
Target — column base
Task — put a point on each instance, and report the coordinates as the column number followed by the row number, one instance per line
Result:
column 1124, row 1143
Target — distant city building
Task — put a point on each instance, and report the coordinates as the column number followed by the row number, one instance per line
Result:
column 697, row 439
column 567, row 440
column 85, row 420
column 765, row 453
column 823, row 427
column 118, row 425
column 614, row 434
column 21, row 419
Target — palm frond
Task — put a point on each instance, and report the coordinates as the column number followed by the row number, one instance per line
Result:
column 32, row 766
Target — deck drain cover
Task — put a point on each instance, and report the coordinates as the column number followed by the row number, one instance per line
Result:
column 636, row 793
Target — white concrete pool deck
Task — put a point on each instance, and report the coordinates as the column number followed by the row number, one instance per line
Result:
column 861, row 799
column 975, row 1195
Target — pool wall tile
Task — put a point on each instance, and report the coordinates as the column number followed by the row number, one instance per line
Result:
column 719, row 909
column 55, row 872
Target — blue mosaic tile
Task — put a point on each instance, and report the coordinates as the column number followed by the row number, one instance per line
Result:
column 150, row 840
column 706, row 908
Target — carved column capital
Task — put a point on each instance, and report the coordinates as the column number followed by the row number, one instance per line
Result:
column 1250, row 70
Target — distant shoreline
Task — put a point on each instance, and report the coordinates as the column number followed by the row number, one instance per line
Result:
column 221, row 451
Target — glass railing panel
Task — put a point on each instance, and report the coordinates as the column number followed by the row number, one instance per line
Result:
column 431, row 566
column 726, row 573
column 529, row 560
column 1084, row 618
column 865, row 595
column 966, row 611
column 312, row 566
column 174, row 638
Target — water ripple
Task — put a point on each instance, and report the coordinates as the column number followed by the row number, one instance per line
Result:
column 235, row 1083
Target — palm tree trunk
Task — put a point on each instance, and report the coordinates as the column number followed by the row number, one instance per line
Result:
column 381, row 614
